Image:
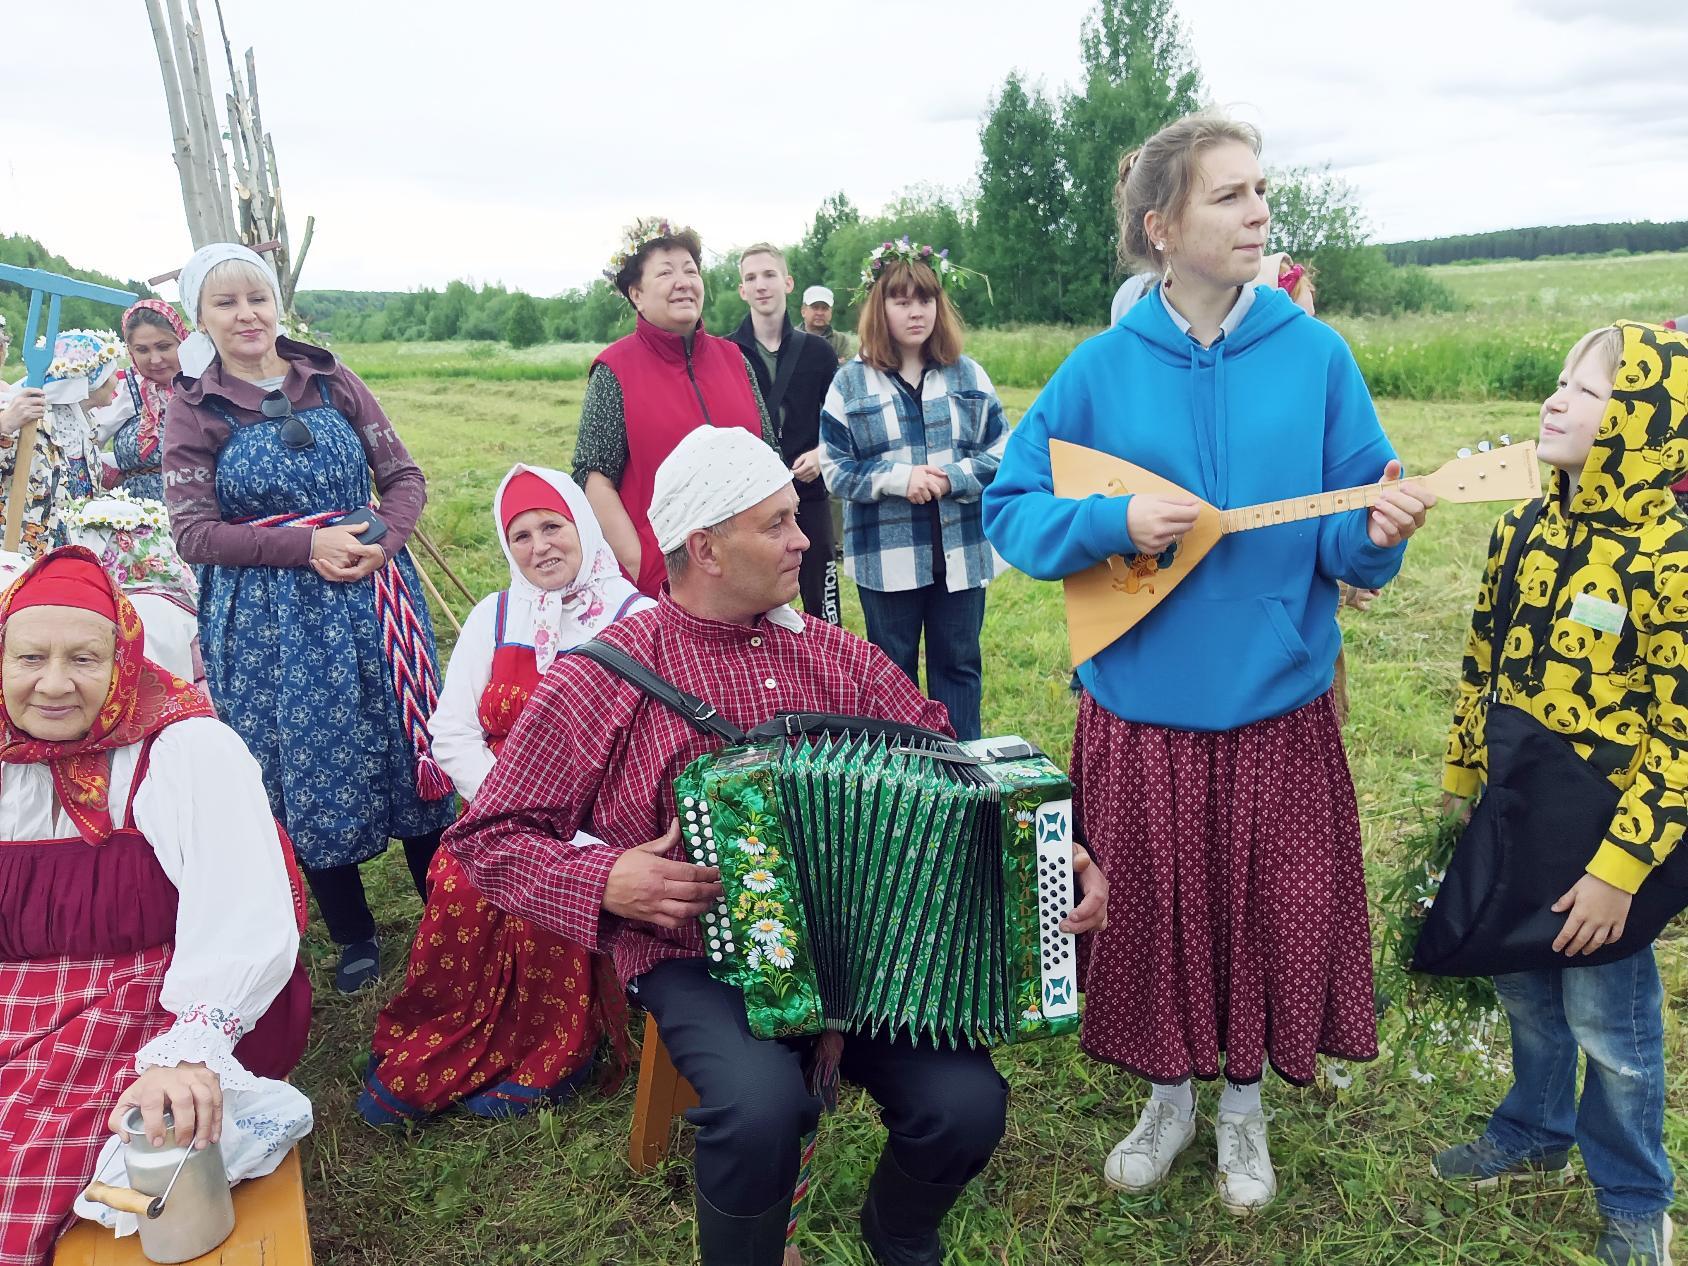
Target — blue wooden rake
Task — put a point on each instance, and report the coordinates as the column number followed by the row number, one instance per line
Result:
column 37, row 357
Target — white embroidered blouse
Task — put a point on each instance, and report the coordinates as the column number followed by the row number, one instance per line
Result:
column 203, row 809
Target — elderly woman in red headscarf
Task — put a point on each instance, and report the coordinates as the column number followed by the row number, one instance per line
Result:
column 147, row 919
column 134, row 423
column 498, row 1015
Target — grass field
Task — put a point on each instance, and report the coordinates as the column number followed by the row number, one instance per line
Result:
column 1352, row 1152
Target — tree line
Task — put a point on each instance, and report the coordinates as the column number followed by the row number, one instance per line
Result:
column 1626, row 237
column 26, row 252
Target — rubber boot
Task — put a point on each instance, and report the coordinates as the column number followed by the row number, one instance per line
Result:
column 725, row 1240
column 901, row 1215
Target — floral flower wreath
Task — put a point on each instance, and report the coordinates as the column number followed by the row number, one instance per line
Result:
column 887, row 253
column 83, row 353
column 635, row 237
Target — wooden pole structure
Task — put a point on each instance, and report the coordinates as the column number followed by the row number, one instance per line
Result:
column 421, row 538
column 439, row 598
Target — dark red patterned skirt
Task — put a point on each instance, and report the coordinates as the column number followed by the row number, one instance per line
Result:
column 496, row 1015
column 1237, row 917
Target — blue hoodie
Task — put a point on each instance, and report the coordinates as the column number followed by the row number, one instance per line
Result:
column 1275, row 409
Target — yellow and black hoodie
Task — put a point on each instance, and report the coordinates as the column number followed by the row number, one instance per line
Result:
column 1596, row 646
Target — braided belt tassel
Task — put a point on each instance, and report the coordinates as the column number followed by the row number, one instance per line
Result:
column 800, row 1193
column 415, row 678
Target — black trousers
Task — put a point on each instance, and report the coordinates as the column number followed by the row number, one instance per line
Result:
column 817, row 579
column 339, row 891
column 945, row 1110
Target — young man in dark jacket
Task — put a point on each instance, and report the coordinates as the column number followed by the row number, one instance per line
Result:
column 794, row 370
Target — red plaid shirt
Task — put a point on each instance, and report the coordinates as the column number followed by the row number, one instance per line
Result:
column 592, row 753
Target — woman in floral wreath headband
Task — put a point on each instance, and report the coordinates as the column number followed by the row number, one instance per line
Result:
column 649, row 389
column 81, row 380
column 911, row 434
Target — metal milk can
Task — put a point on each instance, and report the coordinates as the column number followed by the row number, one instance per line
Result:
column 180, row 1196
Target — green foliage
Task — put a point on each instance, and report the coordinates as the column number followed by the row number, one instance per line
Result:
column 523, row 327
column 1439, row 1011
column 26, row 252
column 1139, row 75
column 1020, row 240
column 1361, row 280
column 1551, row 239
column 1314, row 210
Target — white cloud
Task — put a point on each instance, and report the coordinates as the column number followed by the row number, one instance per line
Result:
column 511, row 139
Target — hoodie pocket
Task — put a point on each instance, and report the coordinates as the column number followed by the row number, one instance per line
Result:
column 1224, row 637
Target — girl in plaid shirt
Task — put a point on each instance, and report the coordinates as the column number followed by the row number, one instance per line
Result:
column 911, row 433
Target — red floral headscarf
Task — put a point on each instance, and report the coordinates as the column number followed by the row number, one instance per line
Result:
column 142, row 699
column 151, row 398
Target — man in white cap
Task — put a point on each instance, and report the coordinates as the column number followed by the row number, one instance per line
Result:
column 575, row 829
column 816, row 310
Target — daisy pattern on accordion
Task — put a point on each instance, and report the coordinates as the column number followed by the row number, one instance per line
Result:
column 870, row 887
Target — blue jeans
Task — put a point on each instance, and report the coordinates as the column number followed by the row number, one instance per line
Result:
column 952, row 621
column 1614, row 1014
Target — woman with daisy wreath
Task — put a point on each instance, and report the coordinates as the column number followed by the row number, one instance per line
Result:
column 911, row 433
column 648, row 390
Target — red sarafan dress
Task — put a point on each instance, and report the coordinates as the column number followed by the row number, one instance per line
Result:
column 496, row 1013
column 88, row 934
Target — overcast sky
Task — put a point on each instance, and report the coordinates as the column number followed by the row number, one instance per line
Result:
column 509, row 140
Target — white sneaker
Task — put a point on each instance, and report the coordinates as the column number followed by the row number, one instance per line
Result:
column 1246, row 1180
column 1142, row 1158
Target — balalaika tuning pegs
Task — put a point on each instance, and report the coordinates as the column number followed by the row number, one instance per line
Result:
column 1464, row 452
column 1506, row 439
column 1483, row 446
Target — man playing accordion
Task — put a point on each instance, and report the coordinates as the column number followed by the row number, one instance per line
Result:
column 575, row 828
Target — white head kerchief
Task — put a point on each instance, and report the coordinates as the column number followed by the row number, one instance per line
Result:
column 711, row 475
column 198, row 352
column 553, row 620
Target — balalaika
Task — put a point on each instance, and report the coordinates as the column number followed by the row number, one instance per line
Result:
column 874, row 887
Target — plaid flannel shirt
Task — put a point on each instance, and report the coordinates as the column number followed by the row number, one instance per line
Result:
column 589, row 770
column 873, row 435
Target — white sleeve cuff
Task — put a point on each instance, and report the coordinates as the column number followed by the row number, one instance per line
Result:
column 204, row 1034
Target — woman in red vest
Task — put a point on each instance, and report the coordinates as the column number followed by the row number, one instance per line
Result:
column 648, row 390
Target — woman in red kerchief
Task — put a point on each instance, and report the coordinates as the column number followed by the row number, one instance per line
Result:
column 496, row 1014
column 147, row 919
column 153, row 335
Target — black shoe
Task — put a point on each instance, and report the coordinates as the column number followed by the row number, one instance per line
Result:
column 724, row 1240
column 901, row 1215
column 360, row 965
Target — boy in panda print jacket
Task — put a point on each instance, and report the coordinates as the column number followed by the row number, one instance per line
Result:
column 1594, row 649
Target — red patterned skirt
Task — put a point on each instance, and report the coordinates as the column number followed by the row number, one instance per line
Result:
column 496, row 1014
column 1237, row 921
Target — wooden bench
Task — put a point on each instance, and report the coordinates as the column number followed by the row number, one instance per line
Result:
column 662, row 1095
column 269, row 1229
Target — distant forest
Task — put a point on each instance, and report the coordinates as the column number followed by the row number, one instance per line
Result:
column 1631, row 236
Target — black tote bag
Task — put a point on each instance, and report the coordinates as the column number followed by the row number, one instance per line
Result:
column 1541, row 819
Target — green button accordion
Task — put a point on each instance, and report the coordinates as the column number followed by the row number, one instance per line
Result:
column 875, row 888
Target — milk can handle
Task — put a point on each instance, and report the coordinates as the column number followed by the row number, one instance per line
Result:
column 123, row 1199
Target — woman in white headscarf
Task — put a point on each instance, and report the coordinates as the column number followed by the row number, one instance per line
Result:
column 318, row 645
column 497, row 1014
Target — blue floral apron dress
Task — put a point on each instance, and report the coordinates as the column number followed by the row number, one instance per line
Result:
column 294, row 661
column 141, row 478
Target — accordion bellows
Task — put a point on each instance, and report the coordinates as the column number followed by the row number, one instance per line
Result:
column 876, row 889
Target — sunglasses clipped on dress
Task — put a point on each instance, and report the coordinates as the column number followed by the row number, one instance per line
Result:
column 294, row 433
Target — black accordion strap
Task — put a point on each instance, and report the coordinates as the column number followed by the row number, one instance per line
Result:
column 697, row 713
column 793, row 724
column 1504, row 584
